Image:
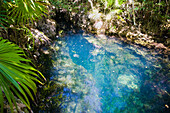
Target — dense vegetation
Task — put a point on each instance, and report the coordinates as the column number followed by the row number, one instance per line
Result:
column 19, row 77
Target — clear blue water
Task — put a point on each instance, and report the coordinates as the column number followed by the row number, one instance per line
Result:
column 108, row 76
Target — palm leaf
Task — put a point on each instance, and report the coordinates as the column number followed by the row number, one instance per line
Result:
column 16, row 77
column 23, row 11
column 4, row 19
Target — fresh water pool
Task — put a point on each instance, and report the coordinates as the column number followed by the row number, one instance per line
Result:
column 104, row 75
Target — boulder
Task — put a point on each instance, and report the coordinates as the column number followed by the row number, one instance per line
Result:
column 47, row 26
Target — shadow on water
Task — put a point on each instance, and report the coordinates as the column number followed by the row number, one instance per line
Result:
column 107, row 76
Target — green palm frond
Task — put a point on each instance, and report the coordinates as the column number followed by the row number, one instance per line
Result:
column 4, row 19
column 16, row 77
column 23, row 11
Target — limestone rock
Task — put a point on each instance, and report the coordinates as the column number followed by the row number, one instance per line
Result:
column 40, row 38
column 48, row 27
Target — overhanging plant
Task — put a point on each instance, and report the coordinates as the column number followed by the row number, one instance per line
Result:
column 17, row 76
column 23, row 11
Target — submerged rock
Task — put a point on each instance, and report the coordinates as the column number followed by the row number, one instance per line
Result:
column 82, row 96
column 76, row 55
column 106, row 76
column 128, row 80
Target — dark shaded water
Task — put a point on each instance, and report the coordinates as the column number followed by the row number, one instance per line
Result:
column 107, row 76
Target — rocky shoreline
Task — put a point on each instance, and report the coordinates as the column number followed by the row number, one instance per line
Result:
column 59, row 22
column 101, row 24
column 55, row 25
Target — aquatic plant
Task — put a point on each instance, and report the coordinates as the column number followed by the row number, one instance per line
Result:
column 17, row 76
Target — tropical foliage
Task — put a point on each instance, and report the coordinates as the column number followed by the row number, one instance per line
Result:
column 22, row 12
column 153, row 15
column 17, row 76
column 3, row 19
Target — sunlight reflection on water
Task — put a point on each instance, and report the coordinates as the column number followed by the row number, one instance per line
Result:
column 104, row 76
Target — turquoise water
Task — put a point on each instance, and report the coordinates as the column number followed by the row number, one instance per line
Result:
column 104, row 75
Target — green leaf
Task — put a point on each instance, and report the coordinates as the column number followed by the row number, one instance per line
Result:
column 1, row 97
column 25, row 5
column 23, row 11
column 16, row 77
